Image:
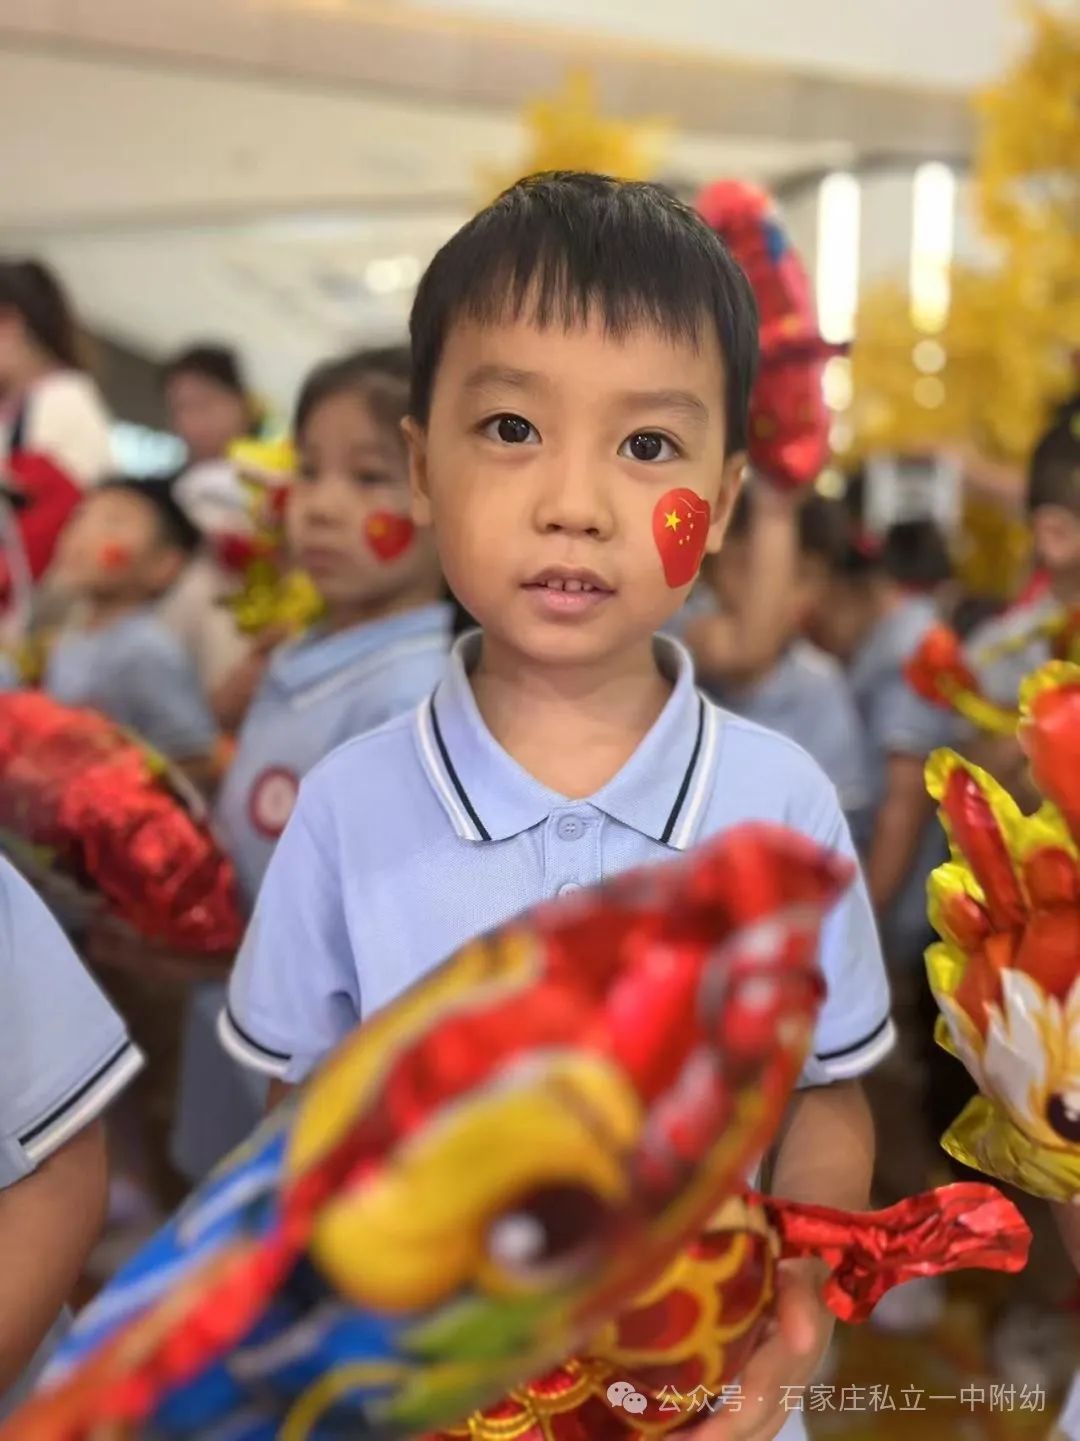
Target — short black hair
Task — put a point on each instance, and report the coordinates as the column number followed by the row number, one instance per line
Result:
column 572, row 244
column 916, row 553
column 175, row 527
column 210, row 361
column 1054, row 472
column 380, row 376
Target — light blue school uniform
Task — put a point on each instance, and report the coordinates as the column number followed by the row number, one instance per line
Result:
column 1069, row 1423
column 806, row 698
column 1005, row 650
column 898, row 722
column 409, row 841
column 318, row 692
column 138, row 674
column 64, row 1052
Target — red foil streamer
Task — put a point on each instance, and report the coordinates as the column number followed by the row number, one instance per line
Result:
column 82, row 799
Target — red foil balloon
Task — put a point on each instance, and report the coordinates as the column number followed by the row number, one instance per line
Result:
column 85, row 805
column 789, row 421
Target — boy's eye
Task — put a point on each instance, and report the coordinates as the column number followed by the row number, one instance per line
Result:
column 648, row 445
column 371, row 477
column 511, row 430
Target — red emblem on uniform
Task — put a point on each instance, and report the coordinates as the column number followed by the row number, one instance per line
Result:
column 272, row 799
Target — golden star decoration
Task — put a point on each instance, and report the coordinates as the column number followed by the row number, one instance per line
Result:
column 672, row 520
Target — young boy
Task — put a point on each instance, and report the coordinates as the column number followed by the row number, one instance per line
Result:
column 121, row 551
column 64, row 1056
column 582, row 354
column 803, row 694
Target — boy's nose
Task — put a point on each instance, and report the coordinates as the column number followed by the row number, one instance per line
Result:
column 574, row 500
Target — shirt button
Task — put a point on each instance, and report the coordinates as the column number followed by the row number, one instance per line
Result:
column 568, row 888
column 569, row 828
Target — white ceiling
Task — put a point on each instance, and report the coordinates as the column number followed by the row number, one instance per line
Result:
column 181, row 201
column 179, row 204
column 952, row 42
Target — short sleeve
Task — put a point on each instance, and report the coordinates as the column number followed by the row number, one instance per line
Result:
column 294, row 992
column 854, row 1029
column 64, row 1052
column 166, row 704
column 68, row 422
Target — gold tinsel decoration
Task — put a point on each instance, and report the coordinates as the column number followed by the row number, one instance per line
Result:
column 568, row 132
column 1006, row 354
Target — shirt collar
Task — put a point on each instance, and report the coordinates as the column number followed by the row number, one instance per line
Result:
column 660, row 792
column 316, row 656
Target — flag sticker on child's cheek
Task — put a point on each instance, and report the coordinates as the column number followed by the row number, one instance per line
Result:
column 114, row 556
column 388, row 535
column 681, row 528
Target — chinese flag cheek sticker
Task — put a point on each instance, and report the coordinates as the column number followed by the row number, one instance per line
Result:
column 388, row 535
column 114, row 556
column 680, row 527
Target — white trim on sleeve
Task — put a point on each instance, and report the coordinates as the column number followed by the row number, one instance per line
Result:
column 83, row 1105
column 247, row 1050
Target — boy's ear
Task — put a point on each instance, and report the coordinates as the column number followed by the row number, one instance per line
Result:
column 732, row 479
column 416, row 447
column 165, row 568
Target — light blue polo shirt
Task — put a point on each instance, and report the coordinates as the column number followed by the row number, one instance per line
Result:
column 898, row 721
column 64, row 1052
column 318, row 692
column 408, row 841
column 139, row 675
column 806, row 698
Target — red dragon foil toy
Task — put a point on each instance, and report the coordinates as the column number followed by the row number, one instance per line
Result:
column 538, row 1152
column 102, row 825
column 789, row 421
column 1006, row 973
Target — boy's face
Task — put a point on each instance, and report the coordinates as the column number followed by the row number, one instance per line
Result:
column 206, row 416
column 347, row 521
column 113, row 548
column 574, row 480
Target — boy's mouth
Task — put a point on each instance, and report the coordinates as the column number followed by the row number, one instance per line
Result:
column 566, row 591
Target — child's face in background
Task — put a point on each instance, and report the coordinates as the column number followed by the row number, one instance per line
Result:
column 347, row 521
column 574, row 480
column 113, row 549
column 1056, row 534
column 731, row 574
column 206, row 416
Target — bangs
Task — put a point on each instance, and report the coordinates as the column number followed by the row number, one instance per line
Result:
column 566, row 250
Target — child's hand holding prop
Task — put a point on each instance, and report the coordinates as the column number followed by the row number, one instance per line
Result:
column 1006, row 973
column 103, row 826
column 536, row 1153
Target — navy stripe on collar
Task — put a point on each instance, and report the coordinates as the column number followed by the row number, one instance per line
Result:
column 455, row 779
column 680, row 799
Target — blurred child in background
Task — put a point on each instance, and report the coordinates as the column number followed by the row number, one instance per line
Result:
column 1005, row 650
column 872, row 623
column 207, row 401
column 123, row 548
column 379, row 649
column 802, row 693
